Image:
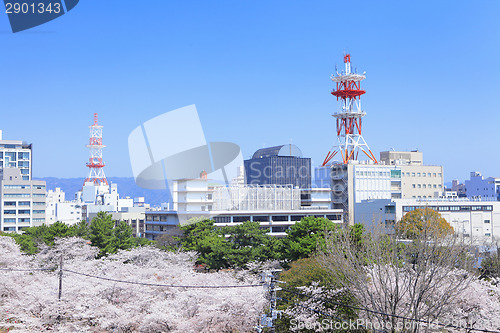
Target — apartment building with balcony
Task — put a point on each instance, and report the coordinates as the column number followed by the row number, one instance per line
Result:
column 16, row 154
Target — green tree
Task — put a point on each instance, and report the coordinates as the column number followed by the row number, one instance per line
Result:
column 81, row 229
column 232, row 246
column 122, row 237
column 308, row 272
column 101, row 233
column 305, row 237
column 248, row 242
column 490, row 266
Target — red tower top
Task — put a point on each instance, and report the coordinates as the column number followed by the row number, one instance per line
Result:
column 95, row 163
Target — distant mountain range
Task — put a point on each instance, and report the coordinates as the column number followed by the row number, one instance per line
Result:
column 126, row 188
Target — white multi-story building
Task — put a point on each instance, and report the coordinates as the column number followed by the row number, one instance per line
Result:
column 58, row 209
column 22, row 202
column 397, row 175
column 275, row 207
column 16, row 154
column 480, row 187
column 96, row 198
column 478, row 220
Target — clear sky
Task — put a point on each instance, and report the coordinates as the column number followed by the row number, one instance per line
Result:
column 258, row 72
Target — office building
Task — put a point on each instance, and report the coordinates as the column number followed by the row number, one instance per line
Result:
column 397, row 175
column 279, row 165
column 58, row 209
column 475, row 220
column 484, row 188
column 417, row 180
column 22, row 203
column 275, row 207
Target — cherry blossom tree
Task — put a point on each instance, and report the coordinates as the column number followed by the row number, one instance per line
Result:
column 428, row 278
column 29, row 300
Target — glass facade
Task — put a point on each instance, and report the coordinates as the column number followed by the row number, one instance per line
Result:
column 279, row 170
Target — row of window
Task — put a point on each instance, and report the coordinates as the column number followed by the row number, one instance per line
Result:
column 23, row 219
column 20, row 203
column 423, row 174
column 22, row 211
column 274, row 218
column 23, row 155
column 450, row 208
column 24, row 187
column 427, row 185
column 18, row 187
column 23, row 195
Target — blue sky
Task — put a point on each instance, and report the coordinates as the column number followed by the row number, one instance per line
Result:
column 258, row 72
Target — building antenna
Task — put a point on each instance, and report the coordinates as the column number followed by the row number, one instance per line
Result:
column 95, row 146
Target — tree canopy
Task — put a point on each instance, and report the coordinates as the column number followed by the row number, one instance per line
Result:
column 226, row 247
column 102, row 233
column 421, row 222
column 305, row 237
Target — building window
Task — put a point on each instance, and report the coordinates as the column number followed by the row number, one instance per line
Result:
column 41, row 212
column 434, row 174
column 419, row 186
column 413, row 174
column 407, row 174
column 423, row 174
column 241, row 218
column 9, row 220
column 439, row 174
column 429, row 174
column 413, row 185
column 424, row 186
column 9, row 203
column 434, row 186
column 9, row 212
column 486, row 221
column 23, row 211
column 23, row 187
column 25, row 203
column 487, row 234
column 23, row 219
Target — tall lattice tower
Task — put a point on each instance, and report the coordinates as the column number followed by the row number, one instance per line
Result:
column 350, row 140
column 95, row 164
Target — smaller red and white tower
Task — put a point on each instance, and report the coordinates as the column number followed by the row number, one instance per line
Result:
column 349, row 139
column 95, row 164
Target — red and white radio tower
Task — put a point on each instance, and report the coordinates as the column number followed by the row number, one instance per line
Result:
column 95, row 164
column 350, row 140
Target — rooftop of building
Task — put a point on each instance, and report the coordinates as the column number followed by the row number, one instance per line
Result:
column 283, row 150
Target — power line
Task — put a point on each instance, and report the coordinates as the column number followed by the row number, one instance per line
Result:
column 388, row 314
column 163, row 285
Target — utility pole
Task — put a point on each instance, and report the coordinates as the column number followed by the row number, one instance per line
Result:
column 60, row 276
column 269, row 283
